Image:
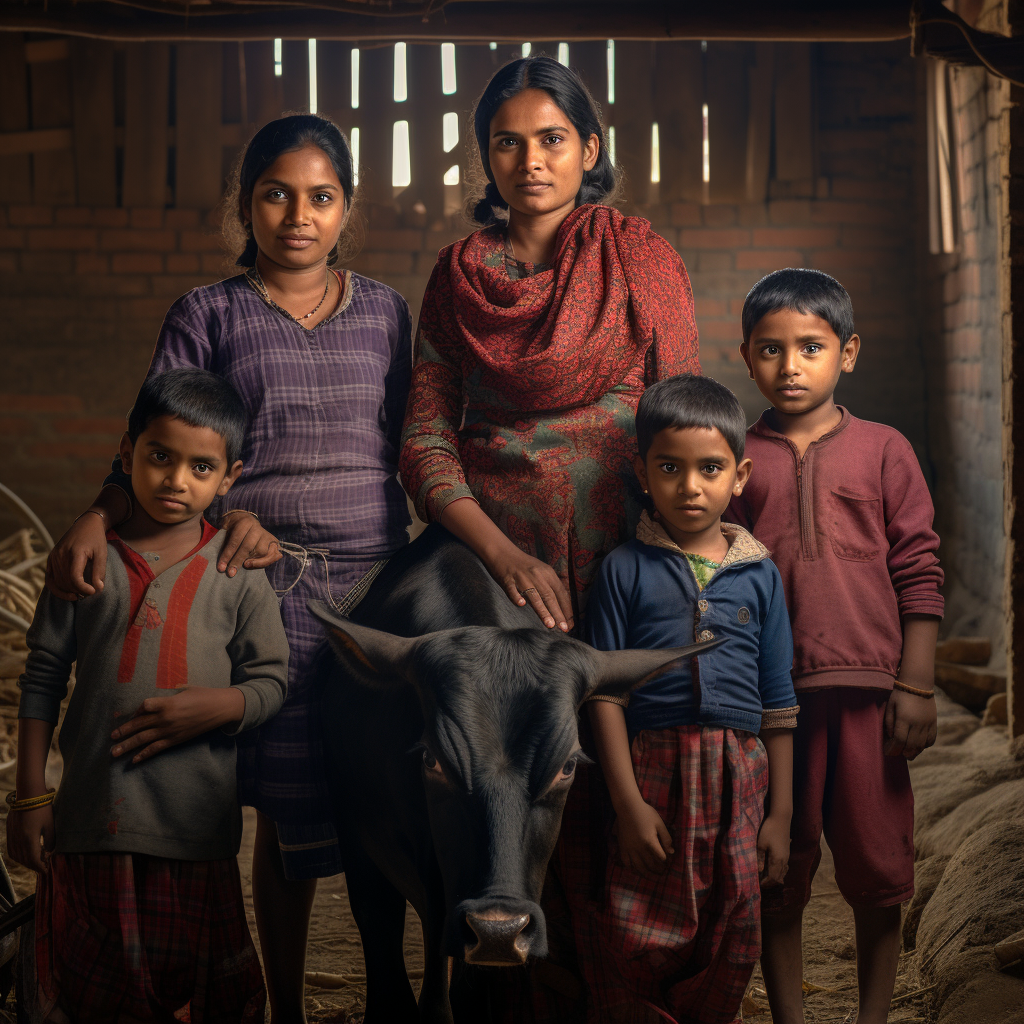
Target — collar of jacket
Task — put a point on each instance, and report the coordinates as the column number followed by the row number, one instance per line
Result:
column 761, row 428
column 742, row 545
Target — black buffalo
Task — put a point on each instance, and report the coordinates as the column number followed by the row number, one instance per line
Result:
column 451, row 743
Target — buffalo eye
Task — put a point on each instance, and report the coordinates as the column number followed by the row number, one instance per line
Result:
column 567, row 769
column 430, row 763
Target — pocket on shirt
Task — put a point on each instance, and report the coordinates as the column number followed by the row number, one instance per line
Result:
column 856, row 530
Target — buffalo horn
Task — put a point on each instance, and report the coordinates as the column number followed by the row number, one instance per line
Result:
column 616, row 673
column 371, row 657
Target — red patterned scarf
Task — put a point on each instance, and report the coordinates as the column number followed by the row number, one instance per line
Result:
column 566, row 336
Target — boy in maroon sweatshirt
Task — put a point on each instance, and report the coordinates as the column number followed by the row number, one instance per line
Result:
column 842, row 505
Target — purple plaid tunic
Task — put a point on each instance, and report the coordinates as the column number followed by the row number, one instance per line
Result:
column 326, row 408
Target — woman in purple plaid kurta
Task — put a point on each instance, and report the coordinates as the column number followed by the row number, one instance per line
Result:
column 326, row 408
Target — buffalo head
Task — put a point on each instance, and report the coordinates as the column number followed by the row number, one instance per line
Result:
column 499, row 750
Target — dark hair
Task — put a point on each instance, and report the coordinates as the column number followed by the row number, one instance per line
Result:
column 196, row 397
column 689, row 400
column 566, row 88
column 284, row 135
column 806, row 291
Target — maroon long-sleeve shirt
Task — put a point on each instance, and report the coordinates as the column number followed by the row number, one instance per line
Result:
column 849, row 526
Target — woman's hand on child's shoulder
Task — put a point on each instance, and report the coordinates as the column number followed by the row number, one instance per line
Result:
column 81, row 552
column 645, row 843
column 163, row 722
column 247, row 545
column 30, row 837
column 773, row 849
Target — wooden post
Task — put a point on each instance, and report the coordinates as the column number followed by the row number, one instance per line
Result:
column 1012, row 296
column 265, row 99
column 199, row 180
column 590, row 60
column 377, row 115
column 678, row 97
column 634, row 64
column 15, row 171
column 53, row 173
column 295, row 53
column 474, row 66
column 794, row 117
column 92, row 77
column 727, row 120
column 427, row 106
column 761, row 81
column 334, row 78
column 147, row 92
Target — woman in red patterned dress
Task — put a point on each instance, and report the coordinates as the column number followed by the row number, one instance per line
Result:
column 537, row 337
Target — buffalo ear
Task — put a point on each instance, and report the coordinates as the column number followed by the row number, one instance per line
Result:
column 616, row 673
column 370, row 657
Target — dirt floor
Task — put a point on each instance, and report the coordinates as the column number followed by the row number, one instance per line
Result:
column 334, row 950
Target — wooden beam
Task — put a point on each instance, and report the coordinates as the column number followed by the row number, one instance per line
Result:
column 480, row 21
column 42, row 51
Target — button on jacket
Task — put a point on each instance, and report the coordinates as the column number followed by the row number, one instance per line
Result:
column 850, row 527
column 646, row 596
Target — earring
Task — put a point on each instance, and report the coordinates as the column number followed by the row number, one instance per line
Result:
column 646, row 491
column 750, row 375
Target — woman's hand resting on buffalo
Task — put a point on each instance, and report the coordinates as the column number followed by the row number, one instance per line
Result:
column 526, row 580
column 77, row 565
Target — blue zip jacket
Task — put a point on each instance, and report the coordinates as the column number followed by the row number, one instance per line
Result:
column 646, row 596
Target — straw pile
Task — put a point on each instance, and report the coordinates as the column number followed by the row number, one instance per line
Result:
column 22, row 565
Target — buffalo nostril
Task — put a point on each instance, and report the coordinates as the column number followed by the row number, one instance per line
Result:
column 501, row 939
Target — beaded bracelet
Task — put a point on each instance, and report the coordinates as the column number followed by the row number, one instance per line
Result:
column 916, row 691
column 30, row 803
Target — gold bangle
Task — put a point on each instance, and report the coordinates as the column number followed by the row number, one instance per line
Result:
column 916, row 691
column 232, row 511
column 30, row 803
column 95, row 512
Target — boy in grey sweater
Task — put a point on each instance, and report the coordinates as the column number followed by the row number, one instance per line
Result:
column 139, row 911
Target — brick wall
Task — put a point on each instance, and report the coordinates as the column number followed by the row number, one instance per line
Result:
column 83, row 291
column 963, row 309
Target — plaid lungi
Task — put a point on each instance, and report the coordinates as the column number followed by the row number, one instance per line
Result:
column 281, row 768
column 123, row 937
column 680, row 948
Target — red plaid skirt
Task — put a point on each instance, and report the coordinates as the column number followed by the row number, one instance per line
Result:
column 680, row 948
column 124, row 937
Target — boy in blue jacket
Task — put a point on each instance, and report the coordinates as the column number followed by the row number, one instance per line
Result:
column 690, row 759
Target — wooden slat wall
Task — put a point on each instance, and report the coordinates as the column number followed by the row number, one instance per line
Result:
column 678, row 97
column 198, row 181
column 60, row 134
column 634, row 97
column 794, row 114
column 146, row 108
column 376, row 116
column 53, row 173
column 16, row 170
column 427, row 106
column 92, row 80
column 728, row 97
